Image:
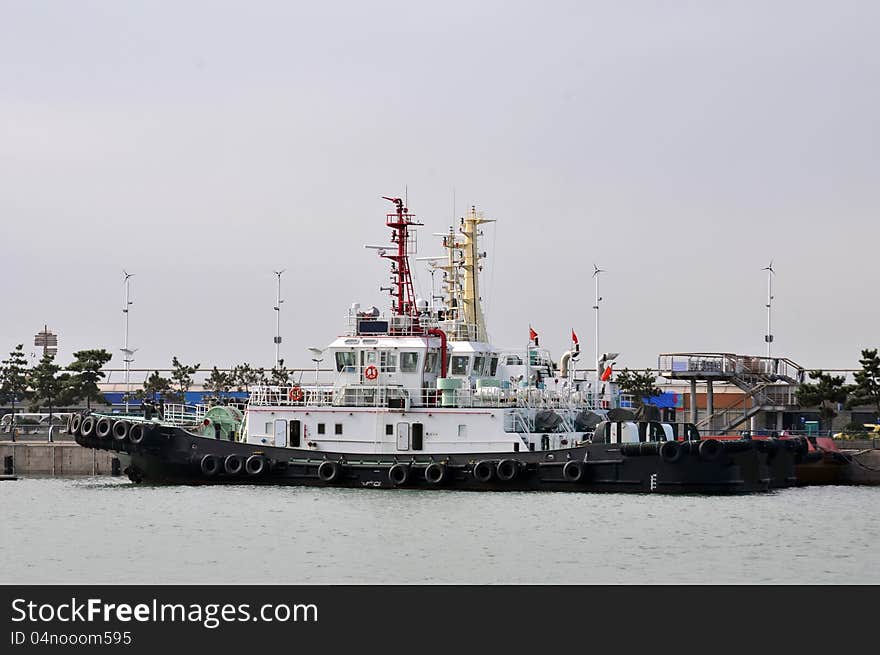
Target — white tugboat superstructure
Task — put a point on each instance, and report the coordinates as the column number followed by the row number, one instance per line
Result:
column 420, row 379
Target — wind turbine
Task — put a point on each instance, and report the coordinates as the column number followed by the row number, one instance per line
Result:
column 278, row 302
column 768, row 338
column 127, row 353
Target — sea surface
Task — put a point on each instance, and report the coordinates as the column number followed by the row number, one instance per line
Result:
column 107, row 530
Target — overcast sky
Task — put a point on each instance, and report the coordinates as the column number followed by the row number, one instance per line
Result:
column 679, row 145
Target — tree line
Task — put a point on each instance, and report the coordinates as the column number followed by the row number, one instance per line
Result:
column 48, row 385
column 219, row 384
column 829, row 392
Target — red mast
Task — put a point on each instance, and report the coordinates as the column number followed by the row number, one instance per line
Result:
column 404, row 298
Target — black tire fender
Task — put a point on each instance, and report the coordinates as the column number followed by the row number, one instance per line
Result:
column 670, row 451
column 103, row 428
column 711, row 450
column 329, row 471
column 210, row 466
column 507, row 469
column 233, row 464
column 137, row 433
column 435, row 473
column 88, row 426
column 121, row 430
column 483, row 471
column 573, row 471
column 255, row 465
column 398, row 474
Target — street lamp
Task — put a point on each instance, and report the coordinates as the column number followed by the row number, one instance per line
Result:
column 278, row 302
column 317, row 357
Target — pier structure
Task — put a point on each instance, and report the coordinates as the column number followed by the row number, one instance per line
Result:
column 768, row 384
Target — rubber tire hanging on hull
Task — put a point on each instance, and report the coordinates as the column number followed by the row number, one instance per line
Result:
column 255, row 465
column 507, row 470
column 137, row 433
column 573, row 471
column 121, row 430
column 670, row 451
column 398, row 474
column 435, row 473
column 711, row 450
column 329, row 471
column 88, row 426
column 210, row 466
column 103, row 428
column 233, row 464
column 483, row 471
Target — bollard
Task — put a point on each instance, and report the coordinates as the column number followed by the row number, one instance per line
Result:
column 8, row 465
column 115, row 467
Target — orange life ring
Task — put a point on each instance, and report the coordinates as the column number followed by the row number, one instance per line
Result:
column 295, row 394
column 371, row 372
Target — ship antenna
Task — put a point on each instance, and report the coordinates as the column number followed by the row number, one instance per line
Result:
column 400, row 221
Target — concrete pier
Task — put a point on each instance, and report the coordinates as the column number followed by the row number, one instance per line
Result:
column 59, row 458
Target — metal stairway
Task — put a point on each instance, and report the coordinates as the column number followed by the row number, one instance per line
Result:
column 768, row 384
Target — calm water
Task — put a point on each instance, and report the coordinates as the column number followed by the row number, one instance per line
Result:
column 108, row 530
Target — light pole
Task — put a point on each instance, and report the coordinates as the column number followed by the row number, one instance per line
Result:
column 768, row 338
column 278, row 302
column 596, row 272
column 127, row 353
column 317, row 357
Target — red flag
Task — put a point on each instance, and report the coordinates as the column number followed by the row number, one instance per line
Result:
column 532, row 334
column 574, row 338
column 606, row 374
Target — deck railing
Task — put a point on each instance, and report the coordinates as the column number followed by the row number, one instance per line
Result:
column 398, row 397
column 730, row 364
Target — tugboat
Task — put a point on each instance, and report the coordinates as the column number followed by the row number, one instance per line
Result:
column 421, row 399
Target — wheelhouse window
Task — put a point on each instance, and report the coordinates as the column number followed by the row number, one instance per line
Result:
column 431, row 363
column 460, row 364
column 409, row 362
column 514, row 360
column 388, row 361
column 479, row 363
column 345, row 361
column 493, row 367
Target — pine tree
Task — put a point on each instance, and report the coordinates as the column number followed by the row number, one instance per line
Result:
column 640, row 385
column 866, row 390
column 218, row 383
column 826, row 393
column 14, row 381
column 245, row 377
column 46, row 384
column 182, row 376
column 87, row 367
column 156, row 387
column 280, row 375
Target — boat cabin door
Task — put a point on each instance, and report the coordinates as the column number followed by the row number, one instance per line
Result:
column 403, row 436
column 281, row 432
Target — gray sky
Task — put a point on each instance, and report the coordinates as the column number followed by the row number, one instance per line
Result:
column 680, row 145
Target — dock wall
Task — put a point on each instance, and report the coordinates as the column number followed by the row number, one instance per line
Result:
column 60, row 458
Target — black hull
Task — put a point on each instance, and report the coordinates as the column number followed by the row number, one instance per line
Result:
column 173, row 455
